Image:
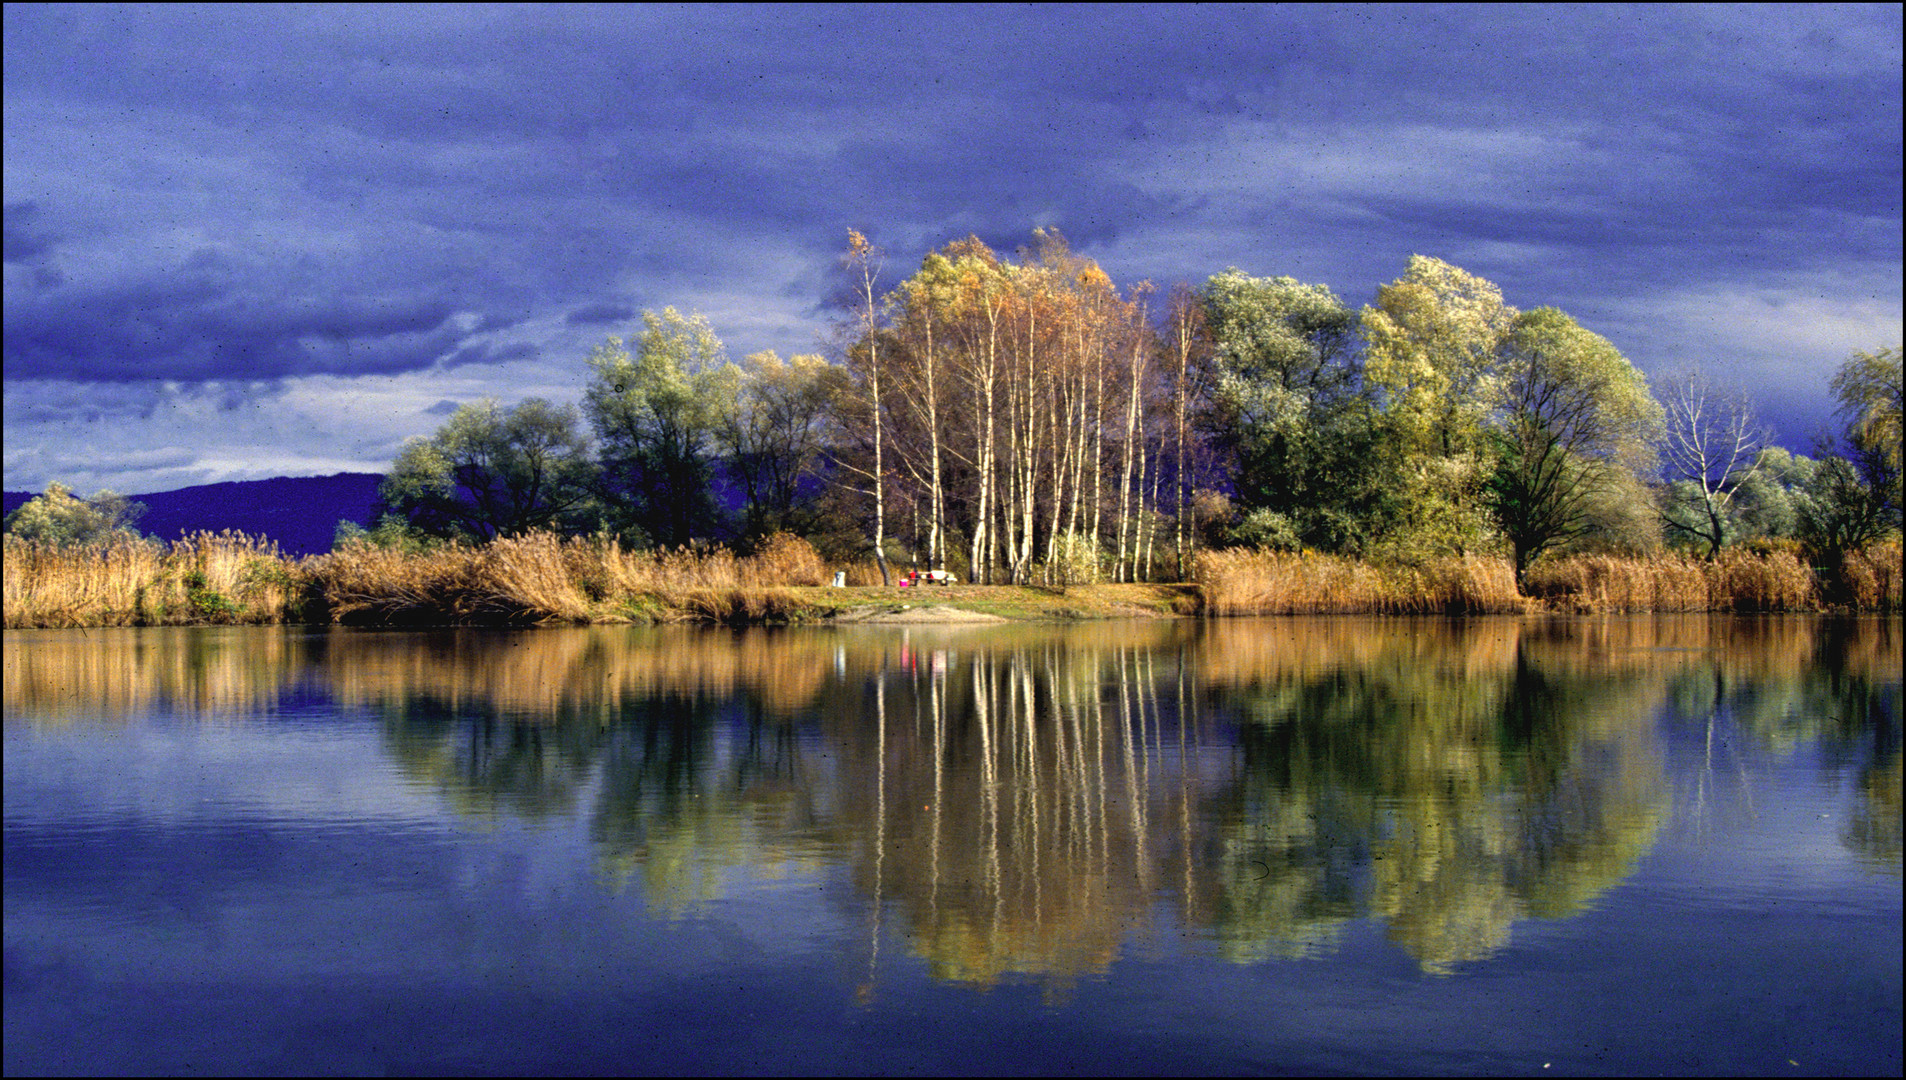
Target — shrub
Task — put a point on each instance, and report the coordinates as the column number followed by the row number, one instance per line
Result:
column 786, row 559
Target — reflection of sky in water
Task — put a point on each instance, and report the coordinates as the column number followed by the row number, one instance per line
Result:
column 378, row 845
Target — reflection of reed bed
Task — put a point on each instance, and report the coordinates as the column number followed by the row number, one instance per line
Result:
column 1870, row 649
column 117, row 672
column 549, row 675
column 203, row 578
column 1239, row 654
column 1763, row 649
column 1240, row 581
column 1670, row 642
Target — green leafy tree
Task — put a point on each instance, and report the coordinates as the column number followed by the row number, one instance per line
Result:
column 391, row 532
column 1844, row 506
column 58, row 516
column 1289, row 410
column 489, row 472
column 773, row 439
column 657, row 411
column 1762, row 502
column 1853, row 498
column 1868, row 387
column 1577, row 420
column 1433, row 345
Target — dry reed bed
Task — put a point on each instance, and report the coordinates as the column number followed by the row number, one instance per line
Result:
column 223, row 577
column 233, row 578
column 543, row 578
column 1239, row 581
column 1246, row 582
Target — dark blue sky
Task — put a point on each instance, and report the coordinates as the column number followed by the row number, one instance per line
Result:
column 247, row 242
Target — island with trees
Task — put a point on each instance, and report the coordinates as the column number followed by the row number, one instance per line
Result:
column 1065, row 446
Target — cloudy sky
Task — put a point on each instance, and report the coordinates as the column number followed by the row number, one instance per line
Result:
column 248, row 242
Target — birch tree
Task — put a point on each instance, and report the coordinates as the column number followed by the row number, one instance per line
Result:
column 1712, row 445
column 863, row 261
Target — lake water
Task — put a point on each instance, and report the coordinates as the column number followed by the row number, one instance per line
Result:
column 1601, row 845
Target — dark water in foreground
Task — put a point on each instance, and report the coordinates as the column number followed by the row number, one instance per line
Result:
column 1342, row 845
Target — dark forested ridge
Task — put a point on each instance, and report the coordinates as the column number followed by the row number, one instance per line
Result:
column 300, row 512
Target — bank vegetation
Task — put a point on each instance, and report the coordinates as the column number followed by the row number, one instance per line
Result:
column 231, row 578
column 1249, row 445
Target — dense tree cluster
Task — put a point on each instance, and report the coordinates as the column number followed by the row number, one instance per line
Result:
column 58, row 516
column 1022, row 418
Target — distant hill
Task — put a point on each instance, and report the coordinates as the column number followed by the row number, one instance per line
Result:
column 300, row 512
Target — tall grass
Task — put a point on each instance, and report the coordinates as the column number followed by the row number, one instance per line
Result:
column 1871, row 578
column 1771, row 579
column 1738, row 580
column 233, row 578
column 543, row 578
column 208, row 577
column 1239, row 581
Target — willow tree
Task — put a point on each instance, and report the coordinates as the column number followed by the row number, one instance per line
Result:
column 1289, row 408
column 656, row 411
column 58, row 516
column 1577, row 421
column 491, row 472
column 771, row 441
column 1432, row 340
column 1868, row 387
column 1853, row 498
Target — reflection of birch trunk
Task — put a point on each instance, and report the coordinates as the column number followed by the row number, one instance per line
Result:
column 1186, row 841
column 1024, row 720
column 1132, row 737
column 984, row 687
column 937, row 685
column 880, row 827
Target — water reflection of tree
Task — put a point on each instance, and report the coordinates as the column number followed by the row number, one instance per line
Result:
column 1023, row 808
column 1781, row 684
column 1450, row 780
column 1020, row 803
column 681, row 748
column 1009, row 809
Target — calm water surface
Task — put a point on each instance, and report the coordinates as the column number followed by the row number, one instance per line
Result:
column 1603, row 845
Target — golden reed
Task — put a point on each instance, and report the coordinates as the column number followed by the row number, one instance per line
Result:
column 207, row 577
column 1251, row 582
column 233, row 578
column 1239, row 581
column 544, row 578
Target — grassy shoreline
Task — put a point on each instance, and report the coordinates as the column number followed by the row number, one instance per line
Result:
column 230, row 578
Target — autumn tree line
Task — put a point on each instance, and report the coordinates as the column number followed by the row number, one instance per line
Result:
column 1022, row 419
